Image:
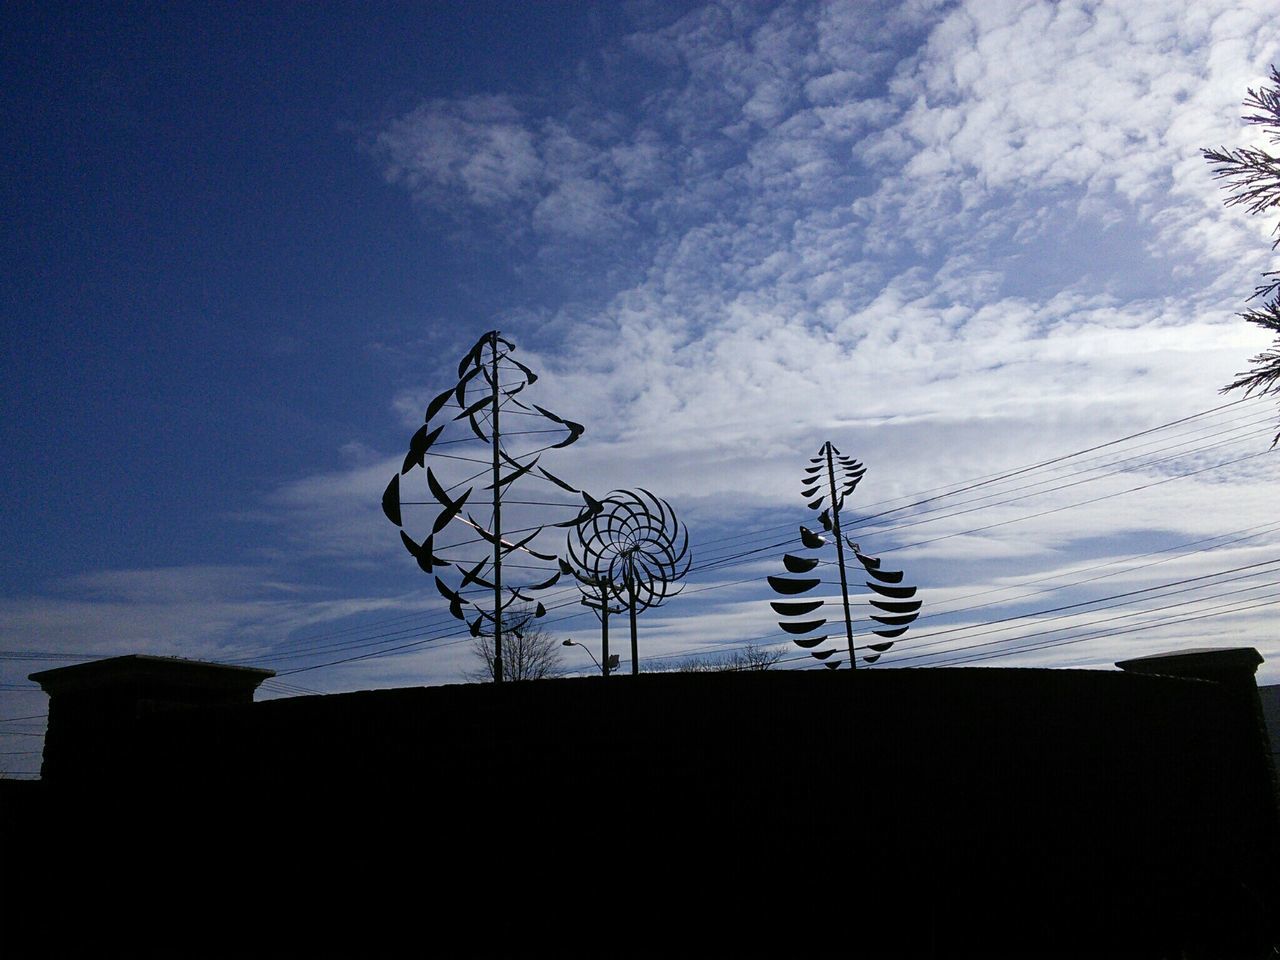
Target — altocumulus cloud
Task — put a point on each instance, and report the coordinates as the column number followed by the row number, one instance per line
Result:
column 956, row 236
column 951, row 237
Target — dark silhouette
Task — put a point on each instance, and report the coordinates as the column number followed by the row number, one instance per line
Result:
column 1251, row 177
column 513, row 456
column 635, row 550
column 829, row 479
column 528, row 652
column 997, row 812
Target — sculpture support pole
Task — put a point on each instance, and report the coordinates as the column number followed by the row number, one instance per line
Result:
column 497, row 524
column 635, row 649
column 844, row 583
column 604, row 629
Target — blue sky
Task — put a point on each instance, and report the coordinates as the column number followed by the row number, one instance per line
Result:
column 243, row 247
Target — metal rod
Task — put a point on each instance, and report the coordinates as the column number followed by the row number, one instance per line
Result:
column 844, row 582
column 604, row 627
column 635, row 650
column 497, row 525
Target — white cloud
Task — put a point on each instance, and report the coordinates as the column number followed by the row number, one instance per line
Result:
column 953, row 238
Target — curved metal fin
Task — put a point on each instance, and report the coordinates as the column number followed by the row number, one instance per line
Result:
column 575, row 429
column 473, row 355
column 790, row 587
column 557, row 481
column 803, row 626
column 895, row 621
column 529, row 375
column 821, row 654
column 872, row 566
column 421, row 553
column 897, row 632
column 799, row 564
column 434, row 406
column 514, row 475
column 550, row 581
column 815, row 504
column 474, row 408
column 419, row 444
column 897, row 606
column 871, row 658
column 810, row 539
column 460, row 391
column 896, row 593
column 446, row 592
column 448, row 513
column 808, row 642
column 391, row 502
column 795, row 608
column 833, row 664
column 880, row 647
column 809, row 493
column 473, row 575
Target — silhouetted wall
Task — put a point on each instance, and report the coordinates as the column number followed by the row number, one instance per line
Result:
column 913, row 812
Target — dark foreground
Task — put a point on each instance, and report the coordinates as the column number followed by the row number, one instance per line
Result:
column 935, row 813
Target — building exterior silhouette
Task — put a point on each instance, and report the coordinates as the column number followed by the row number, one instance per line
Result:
column 926, row 812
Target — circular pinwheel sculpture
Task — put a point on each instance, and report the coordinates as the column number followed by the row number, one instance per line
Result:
column 829, row 479
column 487, row 545
column 634, row 549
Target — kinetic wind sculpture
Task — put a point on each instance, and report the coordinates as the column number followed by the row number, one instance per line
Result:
column 633, row 549
column 831, row 477
column 466, row 439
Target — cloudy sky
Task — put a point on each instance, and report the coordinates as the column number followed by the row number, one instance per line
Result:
column 244, row 246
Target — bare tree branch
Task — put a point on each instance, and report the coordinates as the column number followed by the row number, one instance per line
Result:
column 528, row 652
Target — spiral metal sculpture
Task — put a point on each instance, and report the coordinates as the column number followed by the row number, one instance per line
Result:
column 830, row 478
column 633, row 549
column 481, row 566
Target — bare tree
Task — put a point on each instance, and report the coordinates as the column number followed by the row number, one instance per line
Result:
column 749, row 657
column 1251, row 177
column 528, row 652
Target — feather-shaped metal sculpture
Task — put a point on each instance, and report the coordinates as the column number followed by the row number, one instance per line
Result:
column 828, row 480
column 633, row 549
column 465, row 427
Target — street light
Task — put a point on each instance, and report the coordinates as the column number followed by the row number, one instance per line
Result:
column 572, row 643
column 609, row 666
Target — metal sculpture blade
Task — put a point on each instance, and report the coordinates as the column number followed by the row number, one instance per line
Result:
column 790, row 587
column 796, row 564
column 795, row 609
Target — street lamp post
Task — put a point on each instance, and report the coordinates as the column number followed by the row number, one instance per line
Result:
column 574, row 643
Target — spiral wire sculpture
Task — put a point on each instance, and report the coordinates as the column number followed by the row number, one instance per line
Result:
column 480, row 565
column 634, row 549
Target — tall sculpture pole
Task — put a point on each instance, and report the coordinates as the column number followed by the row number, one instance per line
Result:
column 497, row 519
column 631, row 605
column 844, row 580
column 604, row 628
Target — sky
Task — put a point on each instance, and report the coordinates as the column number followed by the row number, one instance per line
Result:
column 244, row 246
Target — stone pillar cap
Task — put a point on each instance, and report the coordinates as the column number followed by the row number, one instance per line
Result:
column 100, row 674
column 1207, row 663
